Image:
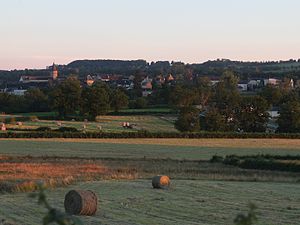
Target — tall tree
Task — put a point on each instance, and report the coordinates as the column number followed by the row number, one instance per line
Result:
column 214, row 120
column 188, row 120
column 289, row 119
column 95, row 100
column 253, row 115
column 66, row 97
column 272, row 94
column 182, row 96
column 227, row 98
column 119, row 100
column 36, row 100
column 204, row 91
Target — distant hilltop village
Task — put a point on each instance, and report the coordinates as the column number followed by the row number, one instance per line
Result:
column 150, row 76
column 42, row 81
column 53, row 76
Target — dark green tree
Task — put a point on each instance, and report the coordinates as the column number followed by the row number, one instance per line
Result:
column 203, row 91
column 214, row 120
column 226, row 99
column 253, row 114
column 188, row 120
column 66, row 97
column 182, row 96
column 36, row 100
column 140, row 103
column 289, row 119
column 119, row 100
column 272, row 94
column 95, row 100
column 11, row 103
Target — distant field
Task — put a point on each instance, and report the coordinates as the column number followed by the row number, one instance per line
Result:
column 154, row 148
column 110, row 124
column 187, row 202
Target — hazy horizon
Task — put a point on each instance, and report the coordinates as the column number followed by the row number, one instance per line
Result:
column 36, row 33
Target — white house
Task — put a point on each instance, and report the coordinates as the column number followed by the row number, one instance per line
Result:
column 271, row 81
column 243, row 87
column 17, row 92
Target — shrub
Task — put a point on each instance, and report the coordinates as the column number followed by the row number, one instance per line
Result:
column 232, row 160
column 67, row 129
column 140, row 103
column 43, row 129
column 264, row 162
column 216, row 159
column 248, row 219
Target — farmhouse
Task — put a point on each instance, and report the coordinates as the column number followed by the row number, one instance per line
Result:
column 147, row 86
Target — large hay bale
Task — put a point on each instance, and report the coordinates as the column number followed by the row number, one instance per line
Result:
column 79, row 202
column 161, row 182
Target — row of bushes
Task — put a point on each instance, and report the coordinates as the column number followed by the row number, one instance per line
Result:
column 12, row 119
column 261, row 162
column 72, row 133
column 267, row 156
column 44, row 129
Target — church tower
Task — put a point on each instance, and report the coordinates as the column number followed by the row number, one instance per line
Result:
column 54, row 72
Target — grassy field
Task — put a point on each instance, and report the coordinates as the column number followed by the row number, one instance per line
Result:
column 109, row 124
column 187, row 202
column 189, row 150
column 119, row 171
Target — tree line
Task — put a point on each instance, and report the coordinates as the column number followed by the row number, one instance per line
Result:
column 222, row 108
column 200, row 105
column 67, row 98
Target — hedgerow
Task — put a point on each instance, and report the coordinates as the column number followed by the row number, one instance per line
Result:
column 142, row 134
column 286, row 163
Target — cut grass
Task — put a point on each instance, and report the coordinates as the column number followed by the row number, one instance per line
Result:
column 110, row 124
column 204, row 142
column 192, row 199
column 94, row 149
column 187, row 202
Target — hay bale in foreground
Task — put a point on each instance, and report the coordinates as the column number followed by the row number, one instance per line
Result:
column 161, row 182
column 79, row 202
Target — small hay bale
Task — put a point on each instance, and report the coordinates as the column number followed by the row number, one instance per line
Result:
column 161, row 182
column 79, row 202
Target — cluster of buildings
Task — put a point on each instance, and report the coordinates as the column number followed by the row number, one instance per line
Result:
column 27, row 82
column 257, row 83
column 128, row 83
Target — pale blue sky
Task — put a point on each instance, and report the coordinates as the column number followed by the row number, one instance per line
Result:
column 34, row 33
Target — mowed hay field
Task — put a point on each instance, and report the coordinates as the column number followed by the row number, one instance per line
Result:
column 120, row 171
column 189, row 149
column 109, row 124
column 186, row 202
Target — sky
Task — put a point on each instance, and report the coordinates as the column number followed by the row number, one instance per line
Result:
column 36, row 33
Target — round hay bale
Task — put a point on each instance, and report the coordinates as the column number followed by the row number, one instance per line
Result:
column 161, row 182
column 79, row 202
